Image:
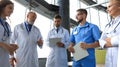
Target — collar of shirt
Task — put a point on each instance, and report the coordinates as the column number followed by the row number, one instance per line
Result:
column 57, row 27
column 85, row 25
column 26, row 22
column 28, row 26
column 2, row 20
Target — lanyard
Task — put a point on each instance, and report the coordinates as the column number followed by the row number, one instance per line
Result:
column 5, row 26
column 27, row 28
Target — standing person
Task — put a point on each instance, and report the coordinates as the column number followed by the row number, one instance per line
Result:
column 110, row 36
column 27, row 36
column 88, row 34
column 58, row 54
column 6, row 8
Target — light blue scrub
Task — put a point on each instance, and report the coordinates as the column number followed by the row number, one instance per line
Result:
column 88, row 33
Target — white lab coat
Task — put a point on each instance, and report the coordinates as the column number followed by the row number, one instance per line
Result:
column 26, row 54
column 113, row 32
column 118, row 62
column 58, row 55
column 4, row 55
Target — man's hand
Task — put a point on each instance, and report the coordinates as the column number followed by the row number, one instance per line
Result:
column 40, row 42
column 71, row 49
column 83, row 45
column 60, row 44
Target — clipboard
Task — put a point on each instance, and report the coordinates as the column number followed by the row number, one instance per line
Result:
column 79, row 52
column 53, row 41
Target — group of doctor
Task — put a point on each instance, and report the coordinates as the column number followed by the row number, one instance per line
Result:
column 24, row 39
column 90, row 37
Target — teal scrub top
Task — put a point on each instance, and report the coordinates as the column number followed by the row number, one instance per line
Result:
column 88, row 33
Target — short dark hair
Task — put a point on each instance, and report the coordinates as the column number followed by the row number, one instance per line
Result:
column 57, row 16
column 3, row 4
column 84, row 11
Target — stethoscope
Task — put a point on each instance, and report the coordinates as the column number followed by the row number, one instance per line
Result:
column 6, row 30
column 109, row 24
column 53, row 30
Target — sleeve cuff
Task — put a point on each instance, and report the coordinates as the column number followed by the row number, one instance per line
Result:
column 102, row 43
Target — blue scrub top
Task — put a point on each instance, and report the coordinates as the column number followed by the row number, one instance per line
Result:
column 88, row 33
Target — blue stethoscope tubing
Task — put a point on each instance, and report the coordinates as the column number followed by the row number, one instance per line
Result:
column 5, row 29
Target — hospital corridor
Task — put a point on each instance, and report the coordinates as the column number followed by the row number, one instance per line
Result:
column 68, row 33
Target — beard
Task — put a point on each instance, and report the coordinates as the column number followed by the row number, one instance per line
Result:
column 79, row 21
column 30, row 22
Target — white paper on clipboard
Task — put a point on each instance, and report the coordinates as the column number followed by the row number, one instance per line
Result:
column 53, row 41
column 79, row 52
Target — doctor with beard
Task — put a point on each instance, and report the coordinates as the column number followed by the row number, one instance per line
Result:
column 27, row 36
column 58, row 55
column 88, row 34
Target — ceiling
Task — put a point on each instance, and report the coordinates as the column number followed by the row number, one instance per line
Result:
column 49, row 10
column 99, row 6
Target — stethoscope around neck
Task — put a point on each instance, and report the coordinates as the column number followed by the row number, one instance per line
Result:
column 109, row 24
column 6, row 31
column 53, row 30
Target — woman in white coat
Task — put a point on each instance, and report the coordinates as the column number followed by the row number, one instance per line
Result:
column 6, row 8
column 27, row 36
column 58, row 54
column 110, row 36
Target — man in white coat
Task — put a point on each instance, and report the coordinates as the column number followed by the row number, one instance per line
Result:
column 58, row 54
column 110, row 36
column 27, row 36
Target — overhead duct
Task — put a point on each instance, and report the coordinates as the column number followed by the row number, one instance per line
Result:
column 41, row 6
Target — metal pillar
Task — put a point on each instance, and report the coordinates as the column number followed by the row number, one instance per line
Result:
column 64, row 12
